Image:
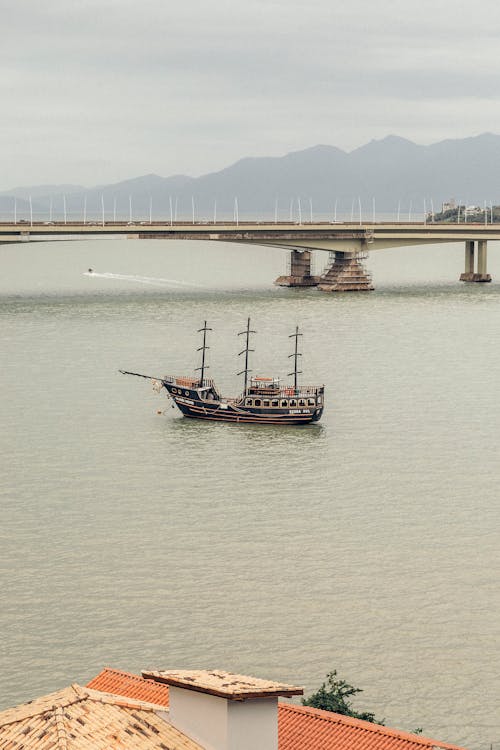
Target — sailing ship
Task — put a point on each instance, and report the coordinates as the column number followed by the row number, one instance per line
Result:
column 263, row 400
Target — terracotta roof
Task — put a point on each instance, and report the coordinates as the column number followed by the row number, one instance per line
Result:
column 82, row 719
column 299, row 727
column 130, row 685
column 224, row 684
column 304, row 728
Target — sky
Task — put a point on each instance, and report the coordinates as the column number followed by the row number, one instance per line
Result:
column 97, row 91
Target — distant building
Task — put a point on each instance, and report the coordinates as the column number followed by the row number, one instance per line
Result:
column 190, row 710
column 450, row 206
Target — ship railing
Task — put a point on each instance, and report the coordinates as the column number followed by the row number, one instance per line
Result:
column 189, row 382
column 302, row 390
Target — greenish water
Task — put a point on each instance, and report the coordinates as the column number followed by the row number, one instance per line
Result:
column 367, row 543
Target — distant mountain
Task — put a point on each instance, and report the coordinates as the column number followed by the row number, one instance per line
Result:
column 391, row 170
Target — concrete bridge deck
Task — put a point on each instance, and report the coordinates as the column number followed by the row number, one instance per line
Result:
column 379, row 234
column 348, row 242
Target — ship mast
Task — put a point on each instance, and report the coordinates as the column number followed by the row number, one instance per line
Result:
column 245, row 351
column 203, row 349
column 296, row 356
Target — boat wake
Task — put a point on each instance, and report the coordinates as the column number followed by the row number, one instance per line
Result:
column 141, row 279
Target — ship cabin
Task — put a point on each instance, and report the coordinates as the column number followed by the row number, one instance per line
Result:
column 264, row 386
column 192, row 388
column 268, row 393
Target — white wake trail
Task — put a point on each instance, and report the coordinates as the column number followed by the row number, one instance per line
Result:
column 141, row 279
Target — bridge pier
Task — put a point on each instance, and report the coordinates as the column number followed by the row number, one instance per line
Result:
column 482, row 274
column 346, row 273
column 300, row 270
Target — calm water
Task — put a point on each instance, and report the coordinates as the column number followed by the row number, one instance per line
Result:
column 368, row 543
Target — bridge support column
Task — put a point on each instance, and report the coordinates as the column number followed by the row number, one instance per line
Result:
column 346, row 273
column 468, row 274
column 482, row 254
column 300, row 270
column 482, row 274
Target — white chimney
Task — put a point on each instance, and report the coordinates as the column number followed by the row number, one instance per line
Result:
column 224, row 711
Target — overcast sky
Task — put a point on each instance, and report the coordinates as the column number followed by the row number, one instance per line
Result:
column 96, row 91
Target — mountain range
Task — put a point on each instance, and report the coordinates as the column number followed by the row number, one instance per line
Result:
column 389, row 171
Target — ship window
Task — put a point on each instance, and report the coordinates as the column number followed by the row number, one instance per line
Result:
column 274, row 403
column 293, row 402
column 174, row 390
column 284, row 402
column 310, row 401
column 302, row 402
column 249, row 402
column 266, row 403
column 186, row 393
column 257, row 402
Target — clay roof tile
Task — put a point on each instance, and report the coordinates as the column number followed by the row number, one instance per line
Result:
column 299, row 727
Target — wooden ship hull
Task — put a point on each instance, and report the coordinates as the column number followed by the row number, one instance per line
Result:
column 283, row 407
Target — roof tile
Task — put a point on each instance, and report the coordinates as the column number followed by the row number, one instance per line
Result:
column 130, row 685
column 299, row 727
column 84, row 719
column 304, row 728
column 224, row 684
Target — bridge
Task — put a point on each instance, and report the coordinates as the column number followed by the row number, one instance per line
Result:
column 348, row 243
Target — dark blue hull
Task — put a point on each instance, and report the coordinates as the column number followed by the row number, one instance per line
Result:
column 192, row 406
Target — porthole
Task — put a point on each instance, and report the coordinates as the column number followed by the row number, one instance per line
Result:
column 186, row 393
column 284, row 402
column 257, row 402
